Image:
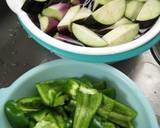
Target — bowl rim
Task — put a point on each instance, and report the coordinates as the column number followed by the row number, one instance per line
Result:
column 16, row 7
column 130, row 84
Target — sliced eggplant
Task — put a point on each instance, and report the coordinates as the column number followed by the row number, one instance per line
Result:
column 67, row 39
column 91, row 23
column 67, row 19
column 121, row 22
column 121, row 34
column 111, row 12
column 99, row 2
column 47, row 24
column 34, row 7
column 83, row 13
column 107, row 29
column 133, row 8
column 87, row 36
column 150, row 10
column 56, row 11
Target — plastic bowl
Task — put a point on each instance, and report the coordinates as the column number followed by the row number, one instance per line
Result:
column 107, row 54
column 127, row 91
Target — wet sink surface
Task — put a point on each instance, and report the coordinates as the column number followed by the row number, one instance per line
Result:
column 19, row 53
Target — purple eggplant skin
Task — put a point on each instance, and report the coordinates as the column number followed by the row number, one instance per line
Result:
column 65, row 32
column 147, row 23
column 48, row 24
column 67, row 39
column 52, row 26
column 60, row 9
column 33, row 7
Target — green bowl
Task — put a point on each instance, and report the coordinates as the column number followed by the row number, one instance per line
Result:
column 127, row 91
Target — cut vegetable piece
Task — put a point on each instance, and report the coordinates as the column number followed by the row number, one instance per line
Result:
column 150, row 10
column 46, row 124
column 118, row 23
column 121, row 22
column 99, row 2
column 111, row 12
column 108, row 124
column 110, row 92
column 67, row 19
column 15, row 115
column 47, row 24
column 71, row 87
column 90, row 22
column 133, row 8
column 86, row 103
column 56, row 11
column 40, row 115
column 60, row 100
column 121, row 34
column 87, row 36
column 83, row 13
column 67, row 39
column 30, row 104
column 49, row 90
column 34, row 7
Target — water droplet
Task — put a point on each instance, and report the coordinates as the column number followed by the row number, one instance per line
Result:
column 13, row 64
column 11, row 34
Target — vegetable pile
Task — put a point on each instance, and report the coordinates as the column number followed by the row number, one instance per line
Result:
column 94, row 23
column 70, row 103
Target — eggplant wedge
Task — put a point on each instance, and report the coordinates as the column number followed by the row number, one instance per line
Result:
column 121, row 34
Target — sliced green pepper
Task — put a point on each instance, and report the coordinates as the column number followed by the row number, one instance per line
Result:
column 95, row 124
column 50, row 90
column 71, row 87
column 40, row 115
column 46, row 124
column 88, row 102
column 124, row 109
column 110, row 92
column 32, row 124
column 116, row 112
column 30, row 104
column 108, row 125
column 100, row 85
column 15, row 115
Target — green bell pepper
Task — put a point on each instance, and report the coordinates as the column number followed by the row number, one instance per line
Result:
column 30, row 104
column 110, row 92
column 15, row 115
column 50, row 90
column 88, row 101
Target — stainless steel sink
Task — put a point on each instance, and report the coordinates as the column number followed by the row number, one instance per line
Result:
column 19, row 53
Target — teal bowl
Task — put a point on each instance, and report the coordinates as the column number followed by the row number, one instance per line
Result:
column 111, row 58
column 127, row 91
column 102, row 54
